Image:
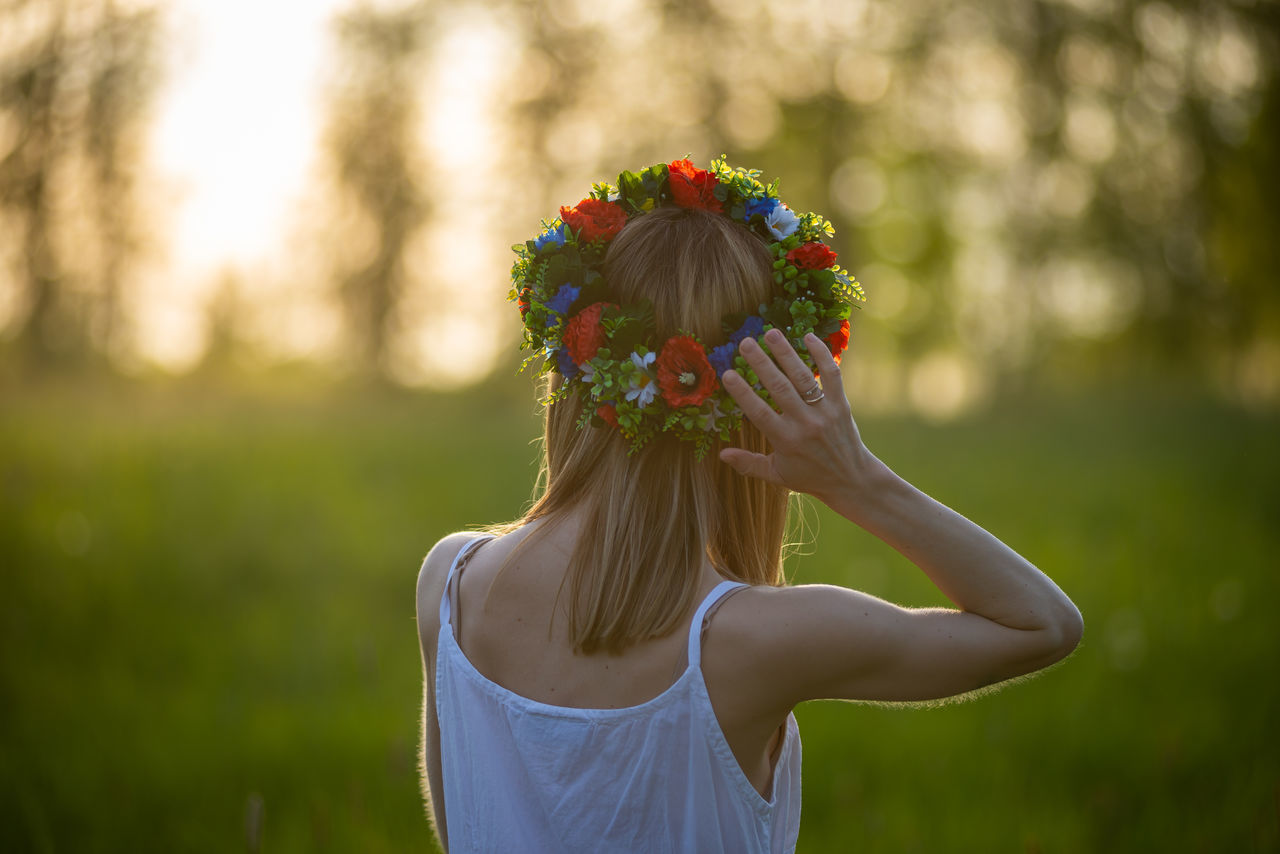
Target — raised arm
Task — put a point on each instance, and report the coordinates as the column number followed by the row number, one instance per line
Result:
column 821, row 641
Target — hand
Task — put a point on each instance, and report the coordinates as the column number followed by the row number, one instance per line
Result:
column 816, row 446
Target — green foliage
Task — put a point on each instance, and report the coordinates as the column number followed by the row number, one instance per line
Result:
column 745, row 183
column 211, row 598
column 639, row 190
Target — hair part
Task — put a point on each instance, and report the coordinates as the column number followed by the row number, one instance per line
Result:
column 657, row 514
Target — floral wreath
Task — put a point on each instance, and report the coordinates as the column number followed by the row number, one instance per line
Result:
column 609, row 353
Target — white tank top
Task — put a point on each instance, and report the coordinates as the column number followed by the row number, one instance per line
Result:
column 524, row 776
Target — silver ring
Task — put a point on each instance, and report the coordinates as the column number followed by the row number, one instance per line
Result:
column 813, row 395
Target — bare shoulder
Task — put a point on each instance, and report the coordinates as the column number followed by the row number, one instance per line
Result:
column 432, row 577
column 779, row 646
column 744, row 649
column 759, row 617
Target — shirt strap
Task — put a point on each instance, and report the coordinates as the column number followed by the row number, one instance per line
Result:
column 446, row 606
column 699, row 616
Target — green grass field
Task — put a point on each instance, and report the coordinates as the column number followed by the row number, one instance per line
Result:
column 208, row 600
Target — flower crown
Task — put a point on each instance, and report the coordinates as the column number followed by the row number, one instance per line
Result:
column 626, row 378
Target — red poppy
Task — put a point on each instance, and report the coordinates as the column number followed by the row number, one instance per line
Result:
column 692, row 187
column 609, row 414
column 812, row 256
column 837, row 341
column 583, row 334
column 685, row 377
column 593, row 219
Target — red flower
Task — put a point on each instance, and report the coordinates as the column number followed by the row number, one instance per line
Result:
column 609, row 414
column 685, row 377
column 812, row 256
column 693, row 188
column 837, row 341
column 523, row 301
column 583, row 334
column 593, row 219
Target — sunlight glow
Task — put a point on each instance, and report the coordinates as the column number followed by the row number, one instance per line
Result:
column 943, row 385
column 237, row 128
column 450, row 342
column 235, row 149
column 232, row 146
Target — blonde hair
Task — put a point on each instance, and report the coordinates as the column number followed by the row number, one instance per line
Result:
column 653, row 516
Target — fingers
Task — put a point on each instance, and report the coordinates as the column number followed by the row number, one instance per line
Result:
column 784, row 376
column 750, row 464
column 789, row 361
column 828, row 368
column 753, row 406
column 781, row 388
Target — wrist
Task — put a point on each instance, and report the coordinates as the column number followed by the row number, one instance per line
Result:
column 866, row 492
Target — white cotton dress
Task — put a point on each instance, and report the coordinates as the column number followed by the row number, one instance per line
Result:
column 524, row 776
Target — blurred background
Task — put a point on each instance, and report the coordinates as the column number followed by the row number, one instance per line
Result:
column 256, row 357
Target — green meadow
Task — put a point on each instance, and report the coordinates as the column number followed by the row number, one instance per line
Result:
column 207, row 622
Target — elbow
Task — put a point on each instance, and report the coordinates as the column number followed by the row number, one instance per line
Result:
column 1067, row 630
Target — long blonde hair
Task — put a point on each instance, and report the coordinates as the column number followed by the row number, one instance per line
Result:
column 653, row 516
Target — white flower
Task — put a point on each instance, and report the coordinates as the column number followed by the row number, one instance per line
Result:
column 782, row 221
column 642, row 385
column 707, row 420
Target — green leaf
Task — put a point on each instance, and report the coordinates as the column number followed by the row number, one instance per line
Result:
column 821, row 282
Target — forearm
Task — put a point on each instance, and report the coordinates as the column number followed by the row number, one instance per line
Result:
column 972, row 568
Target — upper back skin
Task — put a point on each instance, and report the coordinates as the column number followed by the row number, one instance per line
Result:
column 512, row 630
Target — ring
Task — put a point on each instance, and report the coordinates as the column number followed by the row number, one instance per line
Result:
column 812, row 395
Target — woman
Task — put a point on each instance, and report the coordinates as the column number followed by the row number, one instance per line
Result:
column 617, row 670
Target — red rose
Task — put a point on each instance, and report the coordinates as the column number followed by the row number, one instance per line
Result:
column 593, row 219
column 812, row 256
column 609, row 414
column 583, row 334
column 837, row 341
column 685, row 377
column 693, row 188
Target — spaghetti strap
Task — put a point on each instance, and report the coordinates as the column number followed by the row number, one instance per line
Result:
column 446, row 607
column 695, row 628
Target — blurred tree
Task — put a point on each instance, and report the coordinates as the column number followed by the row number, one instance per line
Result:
column 373, row 150
column 1238, row 201
column 1053, row 187
column 223, row 315
column 75, row 82
column 122, row 81
column 29, row 90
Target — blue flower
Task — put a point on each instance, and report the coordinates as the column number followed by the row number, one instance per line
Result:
column 752, row 327
column 764, row 207
column 721, row 358
column 552, row 236
column 558, row 306
column 563, row 299
column 565, row 364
